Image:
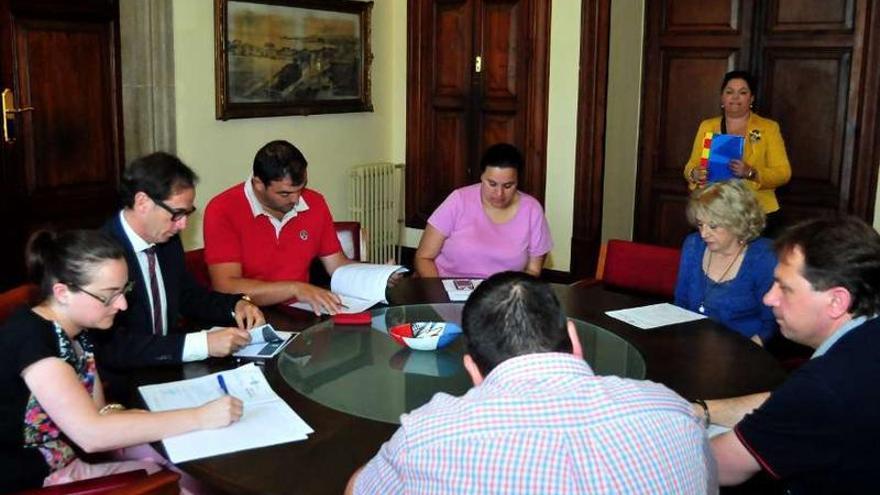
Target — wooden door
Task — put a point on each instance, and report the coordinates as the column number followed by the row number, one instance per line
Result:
column 60, row 58
column 477, row 75
column 817, row 77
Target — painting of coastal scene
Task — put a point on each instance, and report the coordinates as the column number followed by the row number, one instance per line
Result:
column 295, row 55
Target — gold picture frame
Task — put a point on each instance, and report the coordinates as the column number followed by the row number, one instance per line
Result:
column 291, row 57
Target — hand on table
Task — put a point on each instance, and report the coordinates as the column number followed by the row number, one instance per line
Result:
column 319, row 299
column 222, row 343
column 248, row 315
column 395, row 277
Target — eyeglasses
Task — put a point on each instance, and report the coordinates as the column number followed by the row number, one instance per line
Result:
column 176, row 213
column 109, row 300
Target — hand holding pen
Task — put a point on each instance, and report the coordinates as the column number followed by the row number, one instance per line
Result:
column 221, row 412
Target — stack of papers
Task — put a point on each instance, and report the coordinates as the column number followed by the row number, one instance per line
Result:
column 360, row 286
column 267, row 420
column 654, row 315
column 460, row 289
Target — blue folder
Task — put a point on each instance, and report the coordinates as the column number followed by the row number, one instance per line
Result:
column 724, row 148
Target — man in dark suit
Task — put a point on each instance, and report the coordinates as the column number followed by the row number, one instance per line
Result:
column 157, row 193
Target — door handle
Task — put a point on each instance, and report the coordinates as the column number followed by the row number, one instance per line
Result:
column 9, row 111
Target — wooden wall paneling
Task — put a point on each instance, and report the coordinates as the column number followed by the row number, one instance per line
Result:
column 811, row 68
column 817, row 64
column 439, row 102
column 867, row 146
column 688, row 48
column 58, row 77
column 590, row 152
column 500, row 31
column 811, row 15
column 699, row 16
column 62, row 59
column 454, row 112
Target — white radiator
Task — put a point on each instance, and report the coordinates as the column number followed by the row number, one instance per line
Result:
column 376, row 201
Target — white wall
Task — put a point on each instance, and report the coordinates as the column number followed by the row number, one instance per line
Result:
column 622, row 118
column 222, row 152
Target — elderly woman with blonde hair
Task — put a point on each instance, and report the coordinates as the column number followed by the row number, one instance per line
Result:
column 726, row 268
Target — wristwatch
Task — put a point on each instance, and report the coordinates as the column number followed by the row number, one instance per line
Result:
column 247, row 298
column 751, row 174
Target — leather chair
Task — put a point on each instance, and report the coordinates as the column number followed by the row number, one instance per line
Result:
column 23, row 295
column 636, row 267
column 195, row 264
column 351, row 237
column 129, row 483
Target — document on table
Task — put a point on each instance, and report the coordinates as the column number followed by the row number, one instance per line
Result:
column 266, row 342
column 654, row 315
column 459, row 289
column 360, row 286
column 267, row 419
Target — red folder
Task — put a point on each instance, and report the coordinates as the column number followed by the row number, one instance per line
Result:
column 362, row 318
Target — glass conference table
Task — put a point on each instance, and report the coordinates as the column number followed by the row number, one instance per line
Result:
column 362, row 371
column 350, row 383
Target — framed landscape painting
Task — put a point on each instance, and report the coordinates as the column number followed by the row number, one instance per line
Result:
column 291, row 57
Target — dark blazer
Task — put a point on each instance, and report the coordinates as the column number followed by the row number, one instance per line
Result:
column 131, row 343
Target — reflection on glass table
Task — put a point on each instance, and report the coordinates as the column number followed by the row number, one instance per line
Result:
column 360, row 370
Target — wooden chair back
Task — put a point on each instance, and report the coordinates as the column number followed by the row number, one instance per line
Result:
column 637, row 267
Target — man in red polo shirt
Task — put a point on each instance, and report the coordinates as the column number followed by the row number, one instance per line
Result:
column 262, row 235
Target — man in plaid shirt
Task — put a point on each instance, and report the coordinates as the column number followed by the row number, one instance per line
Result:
column 538, row 420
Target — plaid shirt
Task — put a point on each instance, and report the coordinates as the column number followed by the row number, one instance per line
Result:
column 544, row 424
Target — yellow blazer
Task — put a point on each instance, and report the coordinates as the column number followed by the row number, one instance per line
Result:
column 764, row 151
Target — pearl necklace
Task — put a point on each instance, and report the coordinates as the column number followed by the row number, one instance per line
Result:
column 706, row 288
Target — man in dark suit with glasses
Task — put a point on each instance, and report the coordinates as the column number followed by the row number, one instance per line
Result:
column 157, row 193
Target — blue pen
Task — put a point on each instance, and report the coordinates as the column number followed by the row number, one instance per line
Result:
column 222, row 383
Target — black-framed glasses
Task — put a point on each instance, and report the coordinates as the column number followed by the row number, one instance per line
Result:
column 107, row 301
column 176, row 213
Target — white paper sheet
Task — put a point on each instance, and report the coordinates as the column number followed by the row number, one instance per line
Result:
column 654, row 315
column 267, row 420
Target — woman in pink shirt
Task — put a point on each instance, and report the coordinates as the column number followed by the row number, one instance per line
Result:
column 488, row 227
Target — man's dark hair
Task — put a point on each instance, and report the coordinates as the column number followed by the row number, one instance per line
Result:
column 740, row 74
column 512, row 314
column 502, row 155
column 839, row 251
column 159, row 175
column 280, row 159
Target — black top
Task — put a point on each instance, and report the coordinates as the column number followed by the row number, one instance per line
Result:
column 820, row 430
column 25, row 339
column 131, row 343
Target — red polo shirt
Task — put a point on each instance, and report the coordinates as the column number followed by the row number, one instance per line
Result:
column 233, row 234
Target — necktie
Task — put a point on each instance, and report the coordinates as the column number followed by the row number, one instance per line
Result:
column 154, row 292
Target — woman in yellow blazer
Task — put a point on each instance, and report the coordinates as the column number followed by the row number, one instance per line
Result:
column 765, row 165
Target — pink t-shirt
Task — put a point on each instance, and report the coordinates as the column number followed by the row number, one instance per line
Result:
column 477, row 247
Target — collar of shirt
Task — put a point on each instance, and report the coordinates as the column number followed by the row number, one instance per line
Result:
column 257, row 207
column 843, row 330
column 138, row 244
column 541, row 364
